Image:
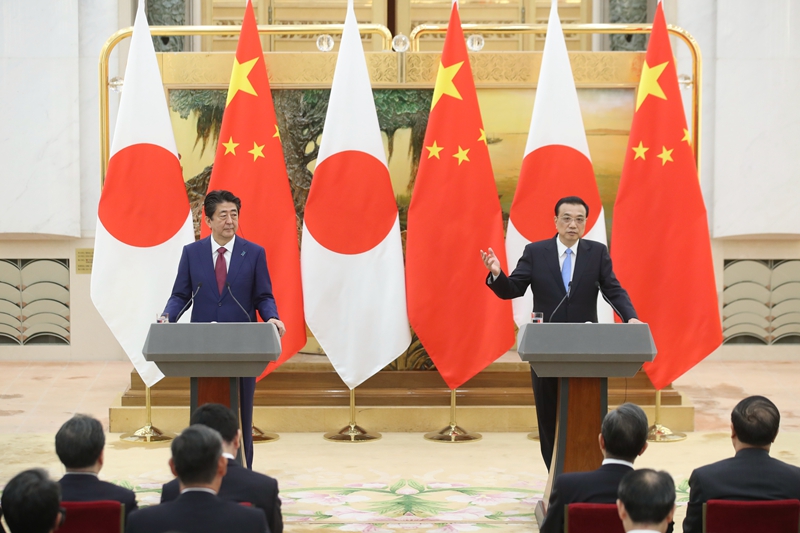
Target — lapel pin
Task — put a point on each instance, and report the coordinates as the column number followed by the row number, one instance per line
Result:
column 243, row 252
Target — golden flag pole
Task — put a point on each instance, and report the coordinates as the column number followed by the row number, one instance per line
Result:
column 453, row 433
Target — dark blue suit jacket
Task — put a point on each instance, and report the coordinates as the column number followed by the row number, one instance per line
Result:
column 242, row 485
column 88, row 488
column 539, row 268
column 247, row 275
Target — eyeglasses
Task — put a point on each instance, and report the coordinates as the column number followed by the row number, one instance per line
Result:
column 569, row 220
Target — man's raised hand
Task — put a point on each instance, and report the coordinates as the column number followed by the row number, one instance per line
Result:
column 491, row 262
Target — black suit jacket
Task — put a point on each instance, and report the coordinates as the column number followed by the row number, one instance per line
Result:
column 242, row 485
column 88, row 488
column 750, row 475
column 539, row 268
column 597, row 486
column 197, row 512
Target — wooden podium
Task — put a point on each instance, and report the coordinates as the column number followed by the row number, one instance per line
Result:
column 583, row 356
column 214, row 355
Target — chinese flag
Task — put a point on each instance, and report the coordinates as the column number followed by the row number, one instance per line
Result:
column 249, row 163
column 454, row 213
column 660, row 241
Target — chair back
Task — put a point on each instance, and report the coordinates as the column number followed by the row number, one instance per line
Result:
column 592, row 518
column 775, row 516
column 104, row 516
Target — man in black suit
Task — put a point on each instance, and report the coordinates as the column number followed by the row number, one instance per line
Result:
column 32, row 503
column 239, row 484
column 564, row 274
column 749, row 475
column 79, row 446
column 198, row 462
column 646, row 501
column 623, row 437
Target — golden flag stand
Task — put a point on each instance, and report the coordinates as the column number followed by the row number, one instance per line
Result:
column 147, row 433
column 352, row 432
column 453, row 433
column 659, row 433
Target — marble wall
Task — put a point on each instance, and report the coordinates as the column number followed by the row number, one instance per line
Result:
column 755, row 117
column 39, row 129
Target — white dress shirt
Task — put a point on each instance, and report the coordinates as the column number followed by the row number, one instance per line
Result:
column 562, row 255
column 199, row 489
column 617, row 462
column 228, row 252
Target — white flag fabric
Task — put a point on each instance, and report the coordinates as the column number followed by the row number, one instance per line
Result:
column 352, row 256
column 143, row 218
column 556, row 164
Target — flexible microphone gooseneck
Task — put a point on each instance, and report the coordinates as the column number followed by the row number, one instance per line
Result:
column 228, row 285
column 564, row 299
column 191, row 299
column 597, row 284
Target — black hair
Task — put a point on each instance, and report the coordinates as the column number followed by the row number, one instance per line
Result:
column 648, row 496
column 625, row 431
column 31, row 502
column 214, row 198
column 195, row 454
column 756, row 420
column 572, row 200
column 217, row 417
column 80, row 441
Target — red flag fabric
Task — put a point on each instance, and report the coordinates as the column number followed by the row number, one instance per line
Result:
column 660, row 241
column 249, row 162
column 454, row 213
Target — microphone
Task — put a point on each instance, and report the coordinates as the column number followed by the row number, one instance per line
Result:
column 564, row 299
column 228, row 285
column 191, row 299
column 597, row 284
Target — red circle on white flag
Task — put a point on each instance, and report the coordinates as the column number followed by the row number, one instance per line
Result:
column 144, row 200
column 548, row 174
column 351, row 206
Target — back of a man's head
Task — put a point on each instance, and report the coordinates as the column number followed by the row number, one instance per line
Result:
column 647, row 496
column 218, row 417
column 195, row 455
column 31, row 502
column 755, row 421
column 624, row 431
column 80, row 442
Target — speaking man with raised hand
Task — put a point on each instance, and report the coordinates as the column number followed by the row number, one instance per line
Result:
column 565, row 274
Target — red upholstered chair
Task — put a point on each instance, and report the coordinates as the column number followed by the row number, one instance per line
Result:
column 776, row 516
column 93, row 517
column 592, row 518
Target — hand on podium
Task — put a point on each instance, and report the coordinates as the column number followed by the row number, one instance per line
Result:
column 279, row 325
column 491, row 262
column 635, row 321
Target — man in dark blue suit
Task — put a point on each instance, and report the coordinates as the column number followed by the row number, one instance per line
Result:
column 564, row 274
column 749, row 475
column 239, row 484
column 623, row 437
column 79, row 446
column 198, row 462
column 225, row 279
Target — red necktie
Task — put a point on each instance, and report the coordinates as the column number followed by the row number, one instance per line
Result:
column 220, row 269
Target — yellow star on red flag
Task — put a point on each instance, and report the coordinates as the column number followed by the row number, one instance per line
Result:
column 648, row 84
column 461, row 155
column 257, row 151
column 239, row 79
column 230, row 147
column 640, row 151
column 433, row 150
column 444, row 83
column 665, row 155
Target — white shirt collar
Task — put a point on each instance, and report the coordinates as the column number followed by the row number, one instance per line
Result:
column 198, row 489
column 80, row 474
column 563, row 247
column 228, row 456
column 617, row 462
column 228, row 247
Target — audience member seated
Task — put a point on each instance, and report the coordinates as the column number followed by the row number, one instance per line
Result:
column 198, row 463
column 646, row 501
column 79, row 446
column 31, row 503
column 239, row 484
column 749, row 475
column 623, row 437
